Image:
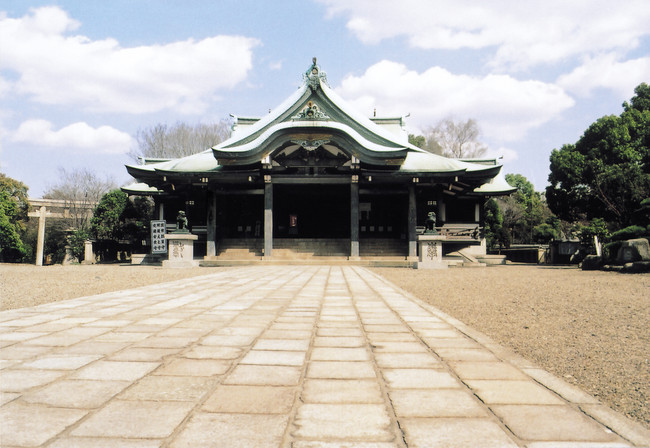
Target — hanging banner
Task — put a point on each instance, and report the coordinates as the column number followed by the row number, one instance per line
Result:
column 158, row 242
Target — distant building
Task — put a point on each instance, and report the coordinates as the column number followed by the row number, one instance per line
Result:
column 316, row 175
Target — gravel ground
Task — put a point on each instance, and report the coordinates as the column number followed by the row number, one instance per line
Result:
column 24, row 285
column 590, row 328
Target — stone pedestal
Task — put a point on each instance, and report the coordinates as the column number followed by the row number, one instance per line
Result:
column 89, row 254
column 430, row 248
column 180, row 250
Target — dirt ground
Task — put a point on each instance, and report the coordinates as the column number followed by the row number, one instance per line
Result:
column 589, row 328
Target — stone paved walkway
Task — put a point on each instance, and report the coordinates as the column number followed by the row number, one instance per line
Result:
column 304, row 357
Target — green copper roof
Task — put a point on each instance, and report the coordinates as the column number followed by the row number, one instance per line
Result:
column 315, row 116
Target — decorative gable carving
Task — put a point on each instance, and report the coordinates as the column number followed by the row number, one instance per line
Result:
column 311, row 112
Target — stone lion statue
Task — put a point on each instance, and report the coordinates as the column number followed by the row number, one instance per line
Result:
column 181, row 222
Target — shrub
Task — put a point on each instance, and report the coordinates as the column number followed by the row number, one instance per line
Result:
column 629, row 233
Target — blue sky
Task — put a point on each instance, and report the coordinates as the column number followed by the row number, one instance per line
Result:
column 79, row 78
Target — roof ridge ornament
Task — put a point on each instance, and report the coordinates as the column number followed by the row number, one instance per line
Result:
column 311, row 112
column 314, row 76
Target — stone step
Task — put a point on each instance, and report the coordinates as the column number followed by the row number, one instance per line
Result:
column 396, row 262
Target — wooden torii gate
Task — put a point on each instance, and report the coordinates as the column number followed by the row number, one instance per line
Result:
column 39, row 209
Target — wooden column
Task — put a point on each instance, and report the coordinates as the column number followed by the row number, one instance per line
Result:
column 40, row 241
column 412, row 222
column 268, row 216
column 354, row 217
column 211, row 225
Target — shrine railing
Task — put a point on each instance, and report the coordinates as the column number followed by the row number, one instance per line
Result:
column 457, row 232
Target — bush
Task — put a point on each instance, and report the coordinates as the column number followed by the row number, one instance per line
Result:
column 610, row 250
column 544, row 233
column 56, row 238
column 77, row 243
column 629, row 233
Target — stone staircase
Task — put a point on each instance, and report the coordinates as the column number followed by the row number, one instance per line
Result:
column 373, row 252
column 383, row 247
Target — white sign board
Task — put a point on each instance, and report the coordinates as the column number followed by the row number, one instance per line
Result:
column 158, row 241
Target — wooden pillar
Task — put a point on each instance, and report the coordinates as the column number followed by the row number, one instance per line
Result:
column 211, row 225
column 40, row 241
column 161, row 210
column 268, row 216
column 412, row 223
column 354, row 218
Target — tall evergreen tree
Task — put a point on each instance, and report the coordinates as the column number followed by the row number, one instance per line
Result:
column 606, row 173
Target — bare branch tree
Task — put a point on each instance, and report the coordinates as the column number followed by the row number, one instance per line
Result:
column 179, row 140
column 457, row 139
column 81, row 188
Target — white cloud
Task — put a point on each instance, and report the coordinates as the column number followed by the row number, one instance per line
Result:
column 75, row 138
column 522, row 33
column 56, row 67
column 505, row 108
column 608, row 72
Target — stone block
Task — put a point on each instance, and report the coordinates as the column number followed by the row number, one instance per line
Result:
column 168, row 388
column 362, row 422
column 115, row 370
column 195, row 367
column 265, row 375
column 339, row 354
column 486, row 371
column 341, row 391
column 103, row 442
column 340, row 370
column 212, row 352
column 251, row 400
column 86, row 394
column 22, row 380
column 407, row 361
column 274, row 358
column 435, row 403
column 513, row 392
column 419, row 379
column 33, row 425
column 455, row 432
column 232, row 431
column 135, row 419
column 592, row 263
column 300, row 345
column 61, row 362
column 633, row 250
column 552, row 423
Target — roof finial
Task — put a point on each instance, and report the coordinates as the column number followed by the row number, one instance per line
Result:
column 313, row 76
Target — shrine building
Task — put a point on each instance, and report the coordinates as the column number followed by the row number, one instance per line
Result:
column 316, row 178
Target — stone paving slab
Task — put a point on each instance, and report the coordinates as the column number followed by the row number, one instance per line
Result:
column 279, row 356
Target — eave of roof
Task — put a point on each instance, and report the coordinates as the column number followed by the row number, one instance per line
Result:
column 141, row 189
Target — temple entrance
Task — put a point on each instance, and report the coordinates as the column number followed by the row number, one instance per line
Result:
column 240, row 216
column 311, row 211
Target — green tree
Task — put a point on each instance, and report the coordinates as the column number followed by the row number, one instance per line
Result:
column 117, row 218
column 106, row 223
column 525, row 210
column 496, row 235
column 606, row 173
column 14, row 207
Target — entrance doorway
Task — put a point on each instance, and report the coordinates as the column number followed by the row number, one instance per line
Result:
column 311, row 211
